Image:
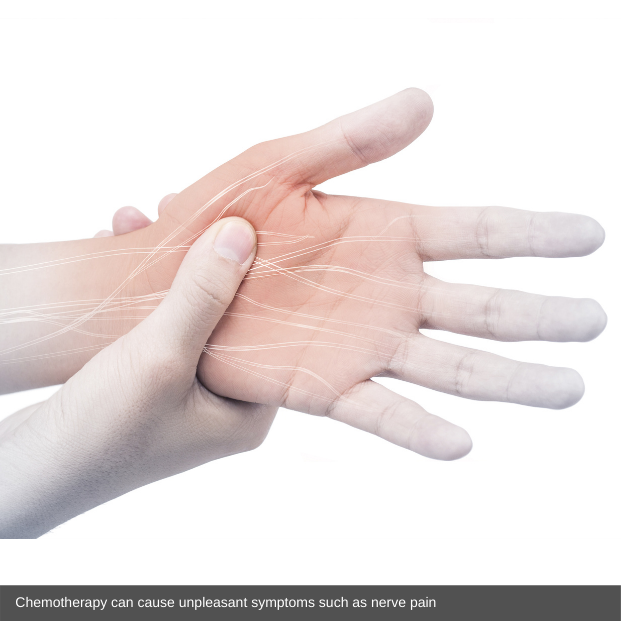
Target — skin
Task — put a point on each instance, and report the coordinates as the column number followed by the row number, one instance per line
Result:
column 136, row 412
column 374, row 329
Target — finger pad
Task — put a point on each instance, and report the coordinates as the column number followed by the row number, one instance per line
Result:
column 567, row 235
column 443, row 441
column 128, row 219
column 386, row 127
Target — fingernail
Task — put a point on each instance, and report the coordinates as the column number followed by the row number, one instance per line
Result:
column 235, row 241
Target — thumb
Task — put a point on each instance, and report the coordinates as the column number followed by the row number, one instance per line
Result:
column 342, row 145
column 348, row 142
column 205, row 285
column 359, row 138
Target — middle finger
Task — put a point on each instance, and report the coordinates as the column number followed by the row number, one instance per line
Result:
column 507, row 315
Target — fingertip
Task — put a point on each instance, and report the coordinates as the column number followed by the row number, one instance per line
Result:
column 405, row 116
column 456, row 444
column 421, row 101
column 164, row 202
column 128, row 219
column 593, row 234
column 541, row 386
column 388, row 126
column 104, row 233
column 568, row 389
column 236, row 240
column 571, row 319
column 594, row 320
column 443, row 440
column 568, row 235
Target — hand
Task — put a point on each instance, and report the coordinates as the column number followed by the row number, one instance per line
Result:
column 338, row 292
column 136, row 412
column 350, row 300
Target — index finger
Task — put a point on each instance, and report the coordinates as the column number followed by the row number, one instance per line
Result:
column 499, row 232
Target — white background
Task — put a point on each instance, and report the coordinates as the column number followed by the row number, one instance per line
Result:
column 99, row 110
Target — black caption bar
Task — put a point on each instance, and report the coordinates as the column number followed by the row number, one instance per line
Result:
column 327, row 603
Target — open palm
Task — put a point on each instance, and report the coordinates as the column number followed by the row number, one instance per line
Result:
column 338, row 293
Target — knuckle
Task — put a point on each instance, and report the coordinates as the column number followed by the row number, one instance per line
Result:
column 492, row 313
column 464, row 371
column 417, row 431
column 424, row 301
column 482, row 231
column 384, row 418
column 398, row 362
column 356, row 150
column 531, row 235
column 209, row 292
column 512, row 391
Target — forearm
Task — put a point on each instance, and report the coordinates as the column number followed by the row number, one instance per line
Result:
column 47, row 292
column 57, row 463
column 136, row 412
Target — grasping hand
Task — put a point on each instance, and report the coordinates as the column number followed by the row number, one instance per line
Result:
column 136, row 412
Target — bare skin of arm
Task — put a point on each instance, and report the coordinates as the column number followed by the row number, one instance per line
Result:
column 136, row 412
column 336, row 296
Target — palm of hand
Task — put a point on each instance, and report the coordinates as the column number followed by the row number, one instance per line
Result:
column 322, row 312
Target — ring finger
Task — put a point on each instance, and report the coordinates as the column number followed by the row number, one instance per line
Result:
column 475, row 374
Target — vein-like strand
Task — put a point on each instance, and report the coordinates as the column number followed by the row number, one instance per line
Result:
column 70, row 316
